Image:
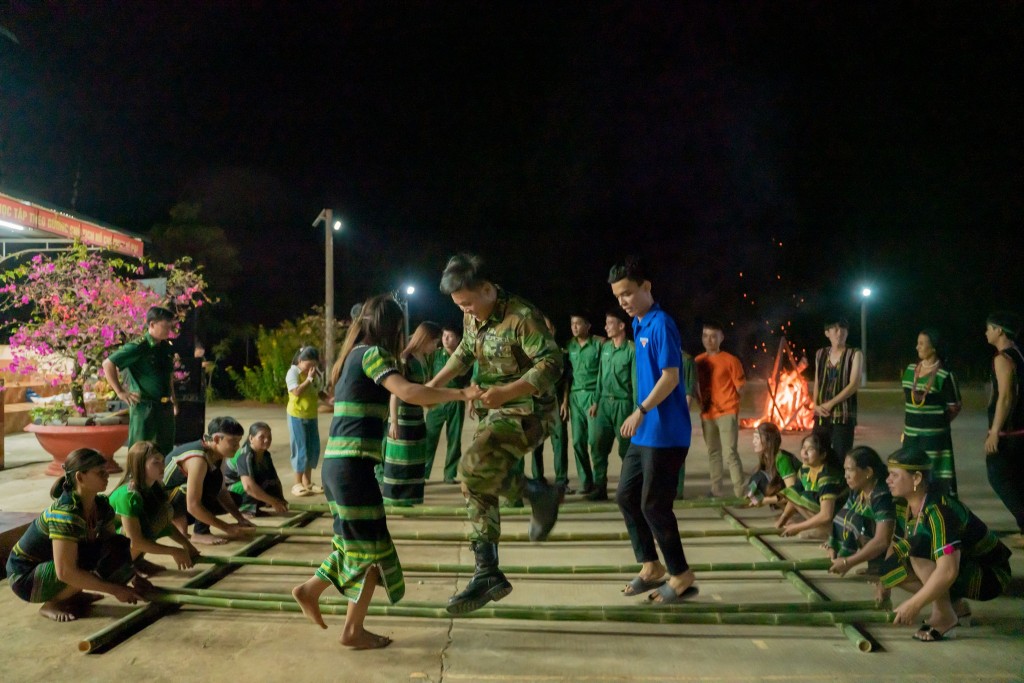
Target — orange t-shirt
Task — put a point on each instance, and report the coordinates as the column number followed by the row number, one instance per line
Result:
column 719, row 377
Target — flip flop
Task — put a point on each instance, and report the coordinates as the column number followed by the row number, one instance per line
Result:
column 638, row 586
column 670, row 597
column 933, row 634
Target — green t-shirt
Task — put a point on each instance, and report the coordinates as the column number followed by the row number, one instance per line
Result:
column 152, row 510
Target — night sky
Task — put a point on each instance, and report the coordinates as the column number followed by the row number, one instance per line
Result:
column 811, row 147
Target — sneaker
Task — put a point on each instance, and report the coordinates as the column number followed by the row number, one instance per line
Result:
column 301, row 491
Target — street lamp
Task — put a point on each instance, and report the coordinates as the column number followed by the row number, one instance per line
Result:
column 327, row 218
column 403, row 301
column 865, row 294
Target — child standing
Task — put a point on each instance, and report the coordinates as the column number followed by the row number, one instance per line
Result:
column 305, row 389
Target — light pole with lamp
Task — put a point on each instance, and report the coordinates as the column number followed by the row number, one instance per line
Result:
column 409, row 290
column 330, row 227
column 865, row 294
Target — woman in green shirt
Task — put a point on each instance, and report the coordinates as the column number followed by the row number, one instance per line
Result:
column 144, row 513
column 776, row 470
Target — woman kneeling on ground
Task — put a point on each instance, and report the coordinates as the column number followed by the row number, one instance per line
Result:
column 942, row 553
column 72, row 547
column 145, row 514
column 819, row 488
column 776, row 469
column 862, row 531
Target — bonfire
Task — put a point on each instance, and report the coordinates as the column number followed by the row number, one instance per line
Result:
column 788, row 403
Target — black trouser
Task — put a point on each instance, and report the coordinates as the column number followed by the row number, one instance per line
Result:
column 1006, row 475
column 647, row 487
column 840, row 435
column 214, row 508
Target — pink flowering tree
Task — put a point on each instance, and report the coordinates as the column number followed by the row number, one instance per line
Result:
column 66, row 313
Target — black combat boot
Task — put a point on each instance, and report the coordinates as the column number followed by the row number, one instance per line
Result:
column 488, row 583
column 544, row 501
column 599, row 493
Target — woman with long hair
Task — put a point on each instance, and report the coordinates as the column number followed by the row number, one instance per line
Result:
column 145, row 514
column 776, row 469
column 405, row 453
column 365, row 374
column 72, row 546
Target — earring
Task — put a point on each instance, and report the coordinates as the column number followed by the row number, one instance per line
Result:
column 915, row 488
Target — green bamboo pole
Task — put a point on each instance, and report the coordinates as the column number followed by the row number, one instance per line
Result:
column 139, row 618
column 564, row 537
column 858, row 636
column 566, row 509
column 440, row 568
column 648, row 616
column 778, row 607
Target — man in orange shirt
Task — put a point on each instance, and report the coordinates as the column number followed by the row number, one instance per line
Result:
column 720, row 378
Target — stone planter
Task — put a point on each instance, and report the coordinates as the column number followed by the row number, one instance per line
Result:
column 60, row 440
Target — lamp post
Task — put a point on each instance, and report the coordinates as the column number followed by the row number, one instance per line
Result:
column 330, row 227
column 404, row 300
column 865, row 294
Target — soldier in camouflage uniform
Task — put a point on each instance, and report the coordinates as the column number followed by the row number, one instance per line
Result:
column 518, row 364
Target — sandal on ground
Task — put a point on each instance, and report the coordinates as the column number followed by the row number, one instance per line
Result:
column 669, row 596
column 301, row 491
column 316, row 489
column 929, row 634
column 640, row 585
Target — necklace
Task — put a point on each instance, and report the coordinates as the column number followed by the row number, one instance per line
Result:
column 923, row 393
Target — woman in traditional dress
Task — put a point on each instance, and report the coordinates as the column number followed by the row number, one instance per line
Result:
column 862, row 531
column 405, row 454
column 72, row 546
column 932, row 400
column 819, row 489
column 941, row 552
column 366, row 371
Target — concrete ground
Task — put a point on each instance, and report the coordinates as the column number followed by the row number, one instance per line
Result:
column 220, row 645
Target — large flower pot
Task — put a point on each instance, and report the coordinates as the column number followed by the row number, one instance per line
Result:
column 60, row 440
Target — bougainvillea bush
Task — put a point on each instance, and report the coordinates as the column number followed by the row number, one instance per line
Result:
column 67, row 312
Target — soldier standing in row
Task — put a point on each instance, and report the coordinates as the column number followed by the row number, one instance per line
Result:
column 613, row 400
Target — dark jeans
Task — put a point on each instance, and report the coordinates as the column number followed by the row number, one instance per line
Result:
column 214, row 507
column 839, row 435
column 647, row 487
column 1006, row 475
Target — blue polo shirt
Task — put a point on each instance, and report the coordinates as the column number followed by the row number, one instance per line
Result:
column 658, row 347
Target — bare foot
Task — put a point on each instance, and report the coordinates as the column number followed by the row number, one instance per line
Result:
column 144, row 566
column 58, row 611
column 364, row 641
column 309, row 603
column 208, row 539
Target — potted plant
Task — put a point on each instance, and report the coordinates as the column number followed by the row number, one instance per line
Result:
column 66, row 313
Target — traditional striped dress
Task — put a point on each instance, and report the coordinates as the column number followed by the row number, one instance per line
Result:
column 944, row 526
column 856, row 523
column 814, row 485
column 361, row 537
column 405, row 457
column 929, row 402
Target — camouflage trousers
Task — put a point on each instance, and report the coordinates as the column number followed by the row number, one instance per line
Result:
column 488, row 467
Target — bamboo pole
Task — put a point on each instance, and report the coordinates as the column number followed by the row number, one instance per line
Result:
column 566, row 509
column 861, row 639
column 695, row 607
column 648, row 616
column 439, row 568
column 565, row 537
column 138, row 619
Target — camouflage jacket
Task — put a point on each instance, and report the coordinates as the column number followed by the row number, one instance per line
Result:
column 513, row 343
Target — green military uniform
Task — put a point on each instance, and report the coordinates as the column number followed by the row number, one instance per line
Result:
column 512, row 343
column 585, row 359
column 689, row 380
column 452, row 413
column 149, row 363
column 615, row 401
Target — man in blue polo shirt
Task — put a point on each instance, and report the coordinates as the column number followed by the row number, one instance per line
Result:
column 659, row 430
